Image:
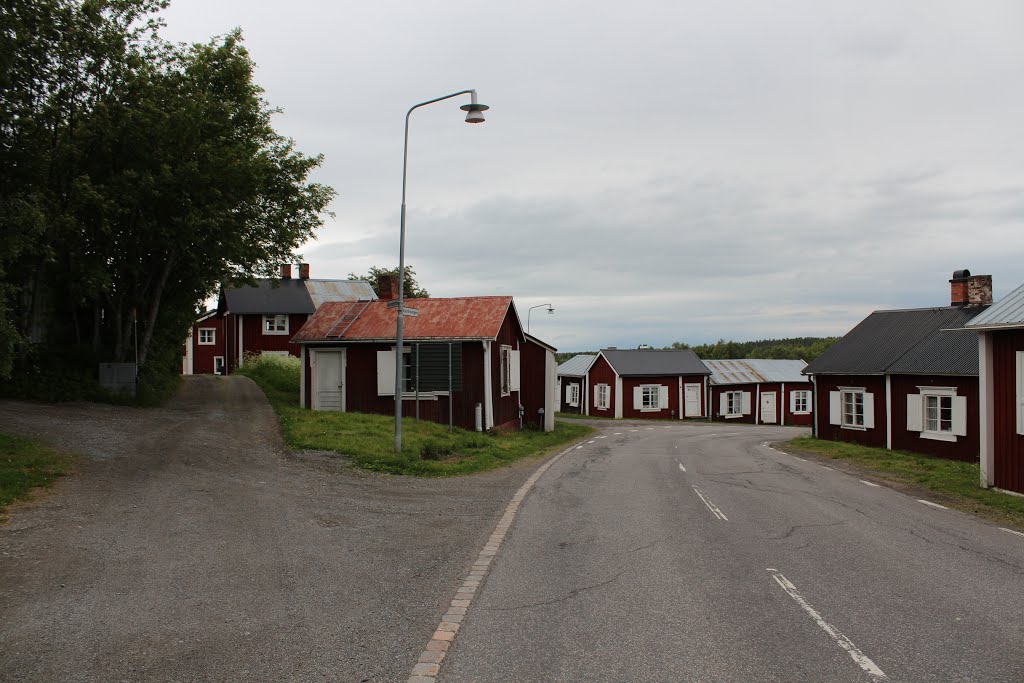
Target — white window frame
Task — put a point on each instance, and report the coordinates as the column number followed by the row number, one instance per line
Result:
column 573, row 397
column 649, row 392
column 917, row 413
column 275, row 323
column 853, row 394
column 506, row 370
column 211, row 333
column 601, row 394
column 222, row 365
column 734, row 403
column 804, row 396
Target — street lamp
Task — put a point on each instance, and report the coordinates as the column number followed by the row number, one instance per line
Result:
column 530, row 310
column 474, row 114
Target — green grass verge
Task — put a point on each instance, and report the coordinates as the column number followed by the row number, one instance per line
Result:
column 428, row 449
column 955, row 481
column 25, row 466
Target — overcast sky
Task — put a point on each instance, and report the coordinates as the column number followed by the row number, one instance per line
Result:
column 657, row 171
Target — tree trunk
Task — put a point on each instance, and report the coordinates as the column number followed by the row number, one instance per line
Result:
column 154, row 308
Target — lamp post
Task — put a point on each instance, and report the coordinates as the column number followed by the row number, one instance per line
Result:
column 474, row 114
column 530, row 310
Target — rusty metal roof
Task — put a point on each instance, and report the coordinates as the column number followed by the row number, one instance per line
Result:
column 477, row 317
column 755, row 370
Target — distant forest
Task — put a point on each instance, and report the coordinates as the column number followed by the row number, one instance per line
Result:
column 796, row 348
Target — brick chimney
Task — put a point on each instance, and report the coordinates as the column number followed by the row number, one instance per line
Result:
column 303, row 271
column 958, row 287
column 286, row 271
column 387, row 287
column 979, row 290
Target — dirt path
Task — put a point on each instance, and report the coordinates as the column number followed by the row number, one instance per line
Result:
column 191, row 546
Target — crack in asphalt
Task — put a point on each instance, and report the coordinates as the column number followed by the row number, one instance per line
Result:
column 803, row 526
column 571, row 594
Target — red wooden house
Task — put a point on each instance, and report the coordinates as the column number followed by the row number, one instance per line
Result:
column 760, row 391
column 647, row 384
column 466, row 361
column 1001, row 388
column 906, row 379
column 262, row 319
column 573, row 382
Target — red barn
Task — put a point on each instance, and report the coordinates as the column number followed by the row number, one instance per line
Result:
column 760, row 391
column 204, row 347
column 647, row 384
column 464, row 359
column 1001, row 387
column 906, row 379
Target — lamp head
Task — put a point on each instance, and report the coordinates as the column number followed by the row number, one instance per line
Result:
column 550, row 310
column 474, row 112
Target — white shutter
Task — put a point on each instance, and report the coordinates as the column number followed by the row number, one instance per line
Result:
column 514, row 379
column 638, row 398
column 723, row 403
column 1020, row 392
column 869, row 411
column 835, row 408
column 745, row 403
column 915, row 412
column 663, row 397
column 597, row 396
column 385, row 373
column 568, row 393
column 792, row 401
column 960, row 415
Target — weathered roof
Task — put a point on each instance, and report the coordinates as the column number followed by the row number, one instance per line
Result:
column 577, row 366
column 478, row 317
column 321, row 291
column 538, row 342
column 654, row 362
column 1008, row 312
column 273, row 295
column 755, row 370
column 904, row 342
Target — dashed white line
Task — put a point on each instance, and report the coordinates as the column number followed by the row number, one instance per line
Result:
column 934, row 505
column 617, row 434
column 869, row 483
column 1010, row 531
column 684, row 469
column 862, row 660
column 711, row 506
column 826, row 467
column 634, row 430
column 600, row 437
column 591, row 441
column 800, row 459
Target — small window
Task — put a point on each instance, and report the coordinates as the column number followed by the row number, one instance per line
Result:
column 207, row 336
column 853, row 408
column 275, row 324
column 506, row 370
column 801, row 401
column 734, row 403
column 572, row 394
column 938, row 414
column 602, row 396
column 649, row 397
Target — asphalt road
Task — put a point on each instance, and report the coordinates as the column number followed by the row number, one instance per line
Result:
column 191, row 546
column 698, row 553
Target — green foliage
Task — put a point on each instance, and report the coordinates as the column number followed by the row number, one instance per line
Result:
column 135, row 176
column 26, row 465
column 428, row 448
column 955, row 480
column 411, row 286
column 795, row 348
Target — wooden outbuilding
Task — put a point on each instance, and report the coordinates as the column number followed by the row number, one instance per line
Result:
column 648, row 384
column 572, row 383
column 760, row 391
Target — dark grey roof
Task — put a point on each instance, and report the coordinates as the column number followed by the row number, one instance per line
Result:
column 655, row 363
column 904, row 342
column 269, row 296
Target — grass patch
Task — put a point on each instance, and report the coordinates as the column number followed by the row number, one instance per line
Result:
column 955, row 481
column 26, row 466
column 428, row 449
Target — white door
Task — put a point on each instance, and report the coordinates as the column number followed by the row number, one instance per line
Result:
column 329, row 380
column 691, row 406
column 768, row 408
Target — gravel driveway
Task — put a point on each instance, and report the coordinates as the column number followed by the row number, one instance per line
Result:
column 193, row 546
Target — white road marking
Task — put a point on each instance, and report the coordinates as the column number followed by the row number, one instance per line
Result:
column 634, row 430
column 650, row 428
column 579, row 447
column 1010, row 531
column 800, row 459
column 711, row 435
column 617, row 434
column 668, row 427
column 600, row 437
column 711, row 506
column 684, row 469
column 869, row 483
column 591, row 441
column 934, row 505
column 862, row 660
column 827, row 467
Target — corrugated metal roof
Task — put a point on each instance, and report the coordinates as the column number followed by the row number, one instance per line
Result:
column 1007, row 312
column 755, row 370
column 879, row 344
column 270, row 295
column 478, row 317
column 321, row 291
column 577, row 366
column 655, row 362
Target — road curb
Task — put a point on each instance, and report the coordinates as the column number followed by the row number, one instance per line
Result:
column 428, row 666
